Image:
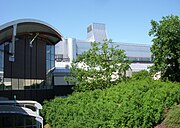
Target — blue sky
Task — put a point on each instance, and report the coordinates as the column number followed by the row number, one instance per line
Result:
column 126, row 20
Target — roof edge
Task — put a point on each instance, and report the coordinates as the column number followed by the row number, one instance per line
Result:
column 11, row 23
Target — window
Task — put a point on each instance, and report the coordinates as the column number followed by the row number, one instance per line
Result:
column 15, row 83
column 7, row 84
column 50, row 57
column 89, row 29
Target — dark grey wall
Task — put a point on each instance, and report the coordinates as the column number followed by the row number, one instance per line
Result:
column 30, row 62
column 38, row 95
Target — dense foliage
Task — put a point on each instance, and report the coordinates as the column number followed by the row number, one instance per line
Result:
column 100, row 67
column 166, row 47
column 140, row 75
column 137, row 104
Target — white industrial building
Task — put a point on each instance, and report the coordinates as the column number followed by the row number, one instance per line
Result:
column 70, row 48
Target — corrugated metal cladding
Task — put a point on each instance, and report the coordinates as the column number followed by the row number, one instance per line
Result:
column 30, row 62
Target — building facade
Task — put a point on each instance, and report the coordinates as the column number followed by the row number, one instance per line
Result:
column 35, row 58
column 27, row 49
column 70, row 48
column 27, row 60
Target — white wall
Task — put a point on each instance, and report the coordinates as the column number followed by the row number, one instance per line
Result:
column 140, row 66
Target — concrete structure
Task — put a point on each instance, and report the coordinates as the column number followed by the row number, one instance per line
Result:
column 96, row 32
column 70, row 48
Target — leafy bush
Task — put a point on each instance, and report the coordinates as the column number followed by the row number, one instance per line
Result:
column 140, row 75
column 137, row 104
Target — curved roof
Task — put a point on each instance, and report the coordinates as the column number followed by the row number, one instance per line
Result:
column 9, row 109
column 30, row 26
column 23, row 102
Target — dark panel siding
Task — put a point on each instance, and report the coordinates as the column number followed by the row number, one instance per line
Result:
column 7, row 63
column 18, row 64
column 38, row 95
column 41, row 60
column 34, row 60
column 27, row 59
column 30, row 62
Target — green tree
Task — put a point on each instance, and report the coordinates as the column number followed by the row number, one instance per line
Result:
column 100, row 67
column 166, row 47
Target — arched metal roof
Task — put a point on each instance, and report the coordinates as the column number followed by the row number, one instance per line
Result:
column 21, row 107
column 9, row 109
column 30, row 26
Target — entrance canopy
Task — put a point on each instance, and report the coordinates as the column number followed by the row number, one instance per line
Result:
column 29, row 26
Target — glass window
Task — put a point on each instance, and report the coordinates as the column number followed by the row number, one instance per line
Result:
column 2, row 86
column 48, row 56
column 15, row 84
column 48, row 66
column 1, row 60
column 144, row 59
column 60, row 81
column 39, row 84
column 19, row 121
column 21, row 84
column 1, row 66
column 8, row 121
column 52, row 49
column 27, row 84
column 52, row 57
column 48, row 49
column 33, row 83
column 52, row 64
column 89, row 29
column 29, row 121
column 7, row 84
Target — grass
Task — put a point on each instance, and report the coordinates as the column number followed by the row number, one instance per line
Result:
column 172, row 119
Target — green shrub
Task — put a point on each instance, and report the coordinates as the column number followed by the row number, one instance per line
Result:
column 143, row 74
column 137, row 104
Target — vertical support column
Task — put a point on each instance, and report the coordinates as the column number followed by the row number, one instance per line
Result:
column 72, row 48
column 65, row 48
column 12, row 46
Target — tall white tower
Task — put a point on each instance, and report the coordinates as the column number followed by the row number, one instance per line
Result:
column 96, row 32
